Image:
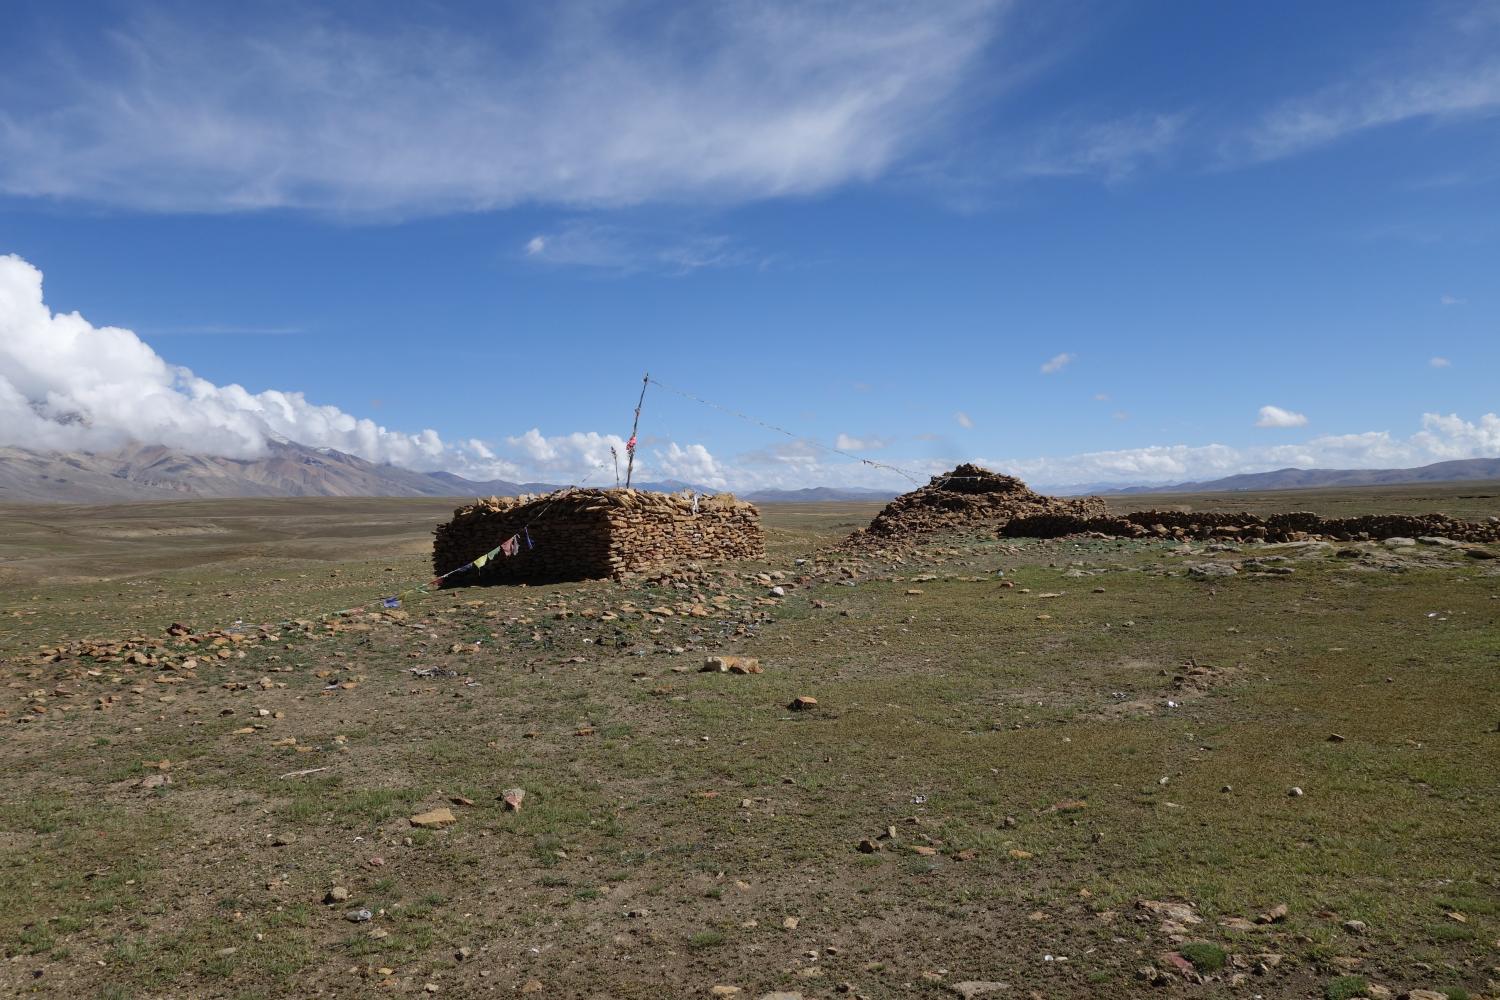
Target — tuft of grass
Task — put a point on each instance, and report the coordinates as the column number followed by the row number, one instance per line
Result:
column 1205, row 955
column 1345, row 987
column 706, row 939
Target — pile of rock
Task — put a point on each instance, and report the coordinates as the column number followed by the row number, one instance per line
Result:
column 582, row 534
column 966, row 499
column 1225, row 525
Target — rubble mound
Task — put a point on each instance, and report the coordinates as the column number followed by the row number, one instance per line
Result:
column 968, row 498
column 583, row 534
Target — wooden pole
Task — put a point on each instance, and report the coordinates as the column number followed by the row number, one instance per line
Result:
column 630, row 457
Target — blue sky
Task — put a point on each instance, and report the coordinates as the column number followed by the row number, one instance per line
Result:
column 1085, row 242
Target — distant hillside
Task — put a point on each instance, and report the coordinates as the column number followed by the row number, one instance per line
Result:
column 819, row 494
column 152, row 472
column 1462, row 470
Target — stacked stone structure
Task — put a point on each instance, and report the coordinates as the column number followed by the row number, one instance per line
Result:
column 582, row 534
column 968, row 498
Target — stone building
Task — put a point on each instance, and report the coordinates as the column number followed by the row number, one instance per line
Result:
column 582, row 534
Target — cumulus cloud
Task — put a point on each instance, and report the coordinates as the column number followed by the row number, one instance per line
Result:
column 1275, row 416
column 846, row 442
column 1057, row 363
column 1440, row 362
column 414, row 113
column 692, row 464
column 67, row 385
column 964, row 420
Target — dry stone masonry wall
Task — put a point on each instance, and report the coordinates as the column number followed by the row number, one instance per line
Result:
column 582, row 534
column 1290, row 527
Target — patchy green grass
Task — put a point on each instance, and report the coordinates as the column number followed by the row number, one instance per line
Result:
column 1046, row 763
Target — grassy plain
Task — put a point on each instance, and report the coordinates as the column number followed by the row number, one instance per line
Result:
column 1104, row 732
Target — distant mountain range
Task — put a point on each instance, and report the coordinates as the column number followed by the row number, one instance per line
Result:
column 152, row 472
column 1462, row 470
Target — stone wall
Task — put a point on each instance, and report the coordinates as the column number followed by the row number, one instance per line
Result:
column 582, row 534
column 1289, row 527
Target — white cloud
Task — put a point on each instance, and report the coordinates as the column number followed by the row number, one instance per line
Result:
column 693, row 464
column 1113, row 150
column 1449, row 300
column 619, row 249
column 1439, row 362
column 1455, row 80
column 868, row 443
column 66, row 385
column 1102, row 397
column 1057, row 363
column 593, row 104
column 1275, row 416
column 1442, row 438
column 964, row 420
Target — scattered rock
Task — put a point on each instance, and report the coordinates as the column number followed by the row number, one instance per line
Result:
column 1209, row 571
column 1478, row 553
column 868, row 846
column 338, row 894
column 359, row 916
column 1398, row 542
column 1177, row 913
column 1355, row 926
column 978, row 988
column 724, row 991
column 731, row 665
column 1294, row 792
column 803, row 703
column 434, row 819
column 283, row 840
column 790, row 923
column 1274, row 915
column 1335, row 738
column 513, row 797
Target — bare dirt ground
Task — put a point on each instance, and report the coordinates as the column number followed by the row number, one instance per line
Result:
column 1061, row 766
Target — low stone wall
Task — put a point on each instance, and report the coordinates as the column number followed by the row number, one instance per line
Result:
column 592, row 534
column 1289, row 527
